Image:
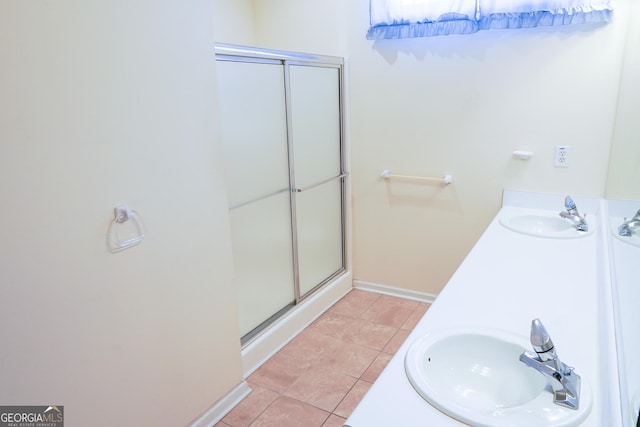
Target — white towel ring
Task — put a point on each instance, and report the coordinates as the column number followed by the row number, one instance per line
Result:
column 122, row 214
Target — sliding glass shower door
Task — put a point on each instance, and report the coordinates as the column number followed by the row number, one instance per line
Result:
column 316, row 145
column 282, row 138
column 253, row 118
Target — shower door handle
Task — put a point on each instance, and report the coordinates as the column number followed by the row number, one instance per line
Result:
column 308, row 187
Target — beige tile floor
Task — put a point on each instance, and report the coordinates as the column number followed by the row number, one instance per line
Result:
column 321, row 375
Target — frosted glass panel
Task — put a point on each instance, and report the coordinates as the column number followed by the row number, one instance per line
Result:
column 254, row 131
column 315, row 123
column 268, row 106
column 319, row 223
column 263, row 261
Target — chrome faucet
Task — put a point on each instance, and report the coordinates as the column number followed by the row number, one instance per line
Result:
column 563, row 380
column 627, row 228
column 579, row 222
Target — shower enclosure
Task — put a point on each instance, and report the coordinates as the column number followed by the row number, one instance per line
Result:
column 282, row 132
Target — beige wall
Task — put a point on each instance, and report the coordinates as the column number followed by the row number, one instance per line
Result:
column 462, row 105
column 102, row 103
column 315, row 26
column 233, row 21
column 623, row 181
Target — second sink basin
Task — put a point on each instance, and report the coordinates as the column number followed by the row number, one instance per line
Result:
column 540, row 224
column 475, row 376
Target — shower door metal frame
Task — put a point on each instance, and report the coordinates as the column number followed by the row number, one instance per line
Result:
column 227, row 52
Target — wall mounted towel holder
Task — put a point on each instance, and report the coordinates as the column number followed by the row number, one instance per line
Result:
column 446, row 180
column 122, row 214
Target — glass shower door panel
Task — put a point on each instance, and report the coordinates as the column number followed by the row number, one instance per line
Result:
column 254, row 129
column 319, row 232
column 315, row 123
column 254, row 135
column 263, row 260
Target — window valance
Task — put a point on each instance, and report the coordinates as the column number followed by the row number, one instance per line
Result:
column 392, row 19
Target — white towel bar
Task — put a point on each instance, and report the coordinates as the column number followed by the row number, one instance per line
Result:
column 446, row 180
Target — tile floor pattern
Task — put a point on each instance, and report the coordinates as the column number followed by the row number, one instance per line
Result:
column 320, row 376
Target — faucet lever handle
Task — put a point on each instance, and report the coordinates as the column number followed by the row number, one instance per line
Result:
column 541, row 341
column 569, row 203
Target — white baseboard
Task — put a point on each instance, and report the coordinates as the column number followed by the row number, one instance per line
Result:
column 265, row 345
column 223, row 406
column 394, row 292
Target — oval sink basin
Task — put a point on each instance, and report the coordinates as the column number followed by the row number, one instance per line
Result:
column 541, row 225
column 476, row 377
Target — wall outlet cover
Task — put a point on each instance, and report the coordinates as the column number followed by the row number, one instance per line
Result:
column 562, row 156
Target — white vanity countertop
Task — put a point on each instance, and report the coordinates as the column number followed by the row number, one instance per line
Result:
column 506, row 281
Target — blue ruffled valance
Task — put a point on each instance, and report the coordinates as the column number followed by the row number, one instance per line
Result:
column 395, row 19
